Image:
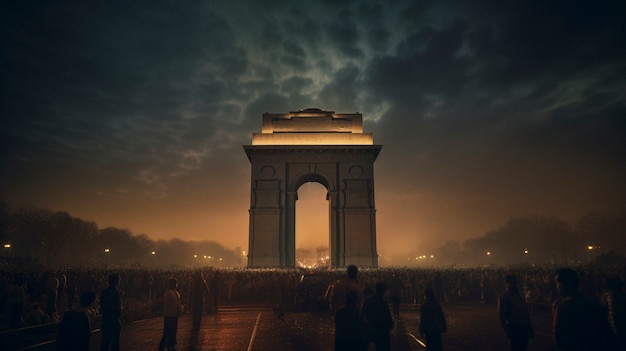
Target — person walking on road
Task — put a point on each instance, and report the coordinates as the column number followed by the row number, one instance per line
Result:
column 171, row 311
column 432, row 321
column 376, row 313
column 514, row 315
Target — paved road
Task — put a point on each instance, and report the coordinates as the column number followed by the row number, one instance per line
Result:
column 474, row 327
column 259, row 329
column 245, row 329
column 477, row 327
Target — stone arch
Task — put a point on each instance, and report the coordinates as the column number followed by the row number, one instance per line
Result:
column 319, row 146
column 306, row 177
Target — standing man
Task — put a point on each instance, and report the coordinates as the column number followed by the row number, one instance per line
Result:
column 340, row 289
column 199, row 291
column 52, row 287
column 514, row 315
column 171, row 311
column 578, row 322
column 376, row 313
column 396, row 296
column 432, row 321
column 348, row 326
column 111, row 309
column 75, row 330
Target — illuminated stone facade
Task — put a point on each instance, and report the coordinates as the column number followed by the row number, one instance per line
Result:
column 312, row 146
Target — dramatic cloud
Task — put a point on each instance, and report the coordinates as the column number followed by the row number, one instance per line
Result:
column 134, row 114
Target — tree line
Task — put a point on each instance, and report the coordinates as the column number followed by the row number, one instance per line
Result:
column 56, row 239
column 544, row 241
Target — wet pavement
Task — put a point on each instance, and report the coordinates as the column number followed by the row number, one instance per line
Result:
column 248, row 329
column 260, row 329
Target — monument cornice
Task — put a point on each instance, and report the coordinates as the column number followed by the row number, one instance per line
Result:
column 269, row 150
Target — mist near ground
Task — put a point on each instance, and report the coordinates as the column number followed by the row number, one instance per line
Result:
column 47, row 239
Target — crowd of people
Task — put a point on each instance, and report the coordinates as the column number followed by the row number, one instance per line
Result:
column 34, row 297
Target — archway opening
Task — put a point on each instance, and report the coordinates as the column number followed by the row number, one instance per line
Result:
column 312, row 226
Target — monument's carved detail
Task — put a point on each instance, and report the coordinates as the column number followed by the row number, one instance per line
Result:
column 312, row 145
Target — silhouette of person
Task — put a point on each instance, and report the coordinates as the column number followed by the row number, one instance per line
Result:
column 432, row 321
column 17, row 299
column 348, row 325
column 396, row 296
column 199, row 291
column 340, row 289
column 614, row 303
column 75, row 331
column 376, row 313
column 578, row 323
column 514, row 315
column 72, row 288
column 215, row 289
column 111, row 309
column 52, row 287
column 171, row 311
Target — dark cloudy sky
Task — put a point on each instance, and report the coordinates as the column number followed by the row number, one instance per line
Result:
column 133, row 113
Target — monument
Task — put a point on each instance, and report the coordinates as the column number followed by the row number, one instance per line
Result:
column 312, row 145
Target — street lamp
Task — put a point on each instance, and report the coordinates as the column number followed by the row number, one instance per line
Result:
column 7, row 248
column 527, row 266
column 106, row 257
column 590, row 248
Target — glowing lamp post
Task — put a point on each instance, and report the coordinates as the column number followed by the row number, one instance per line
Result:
column 590, row 249
column 106, row 256
column 7, row 248
column 527, row 266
